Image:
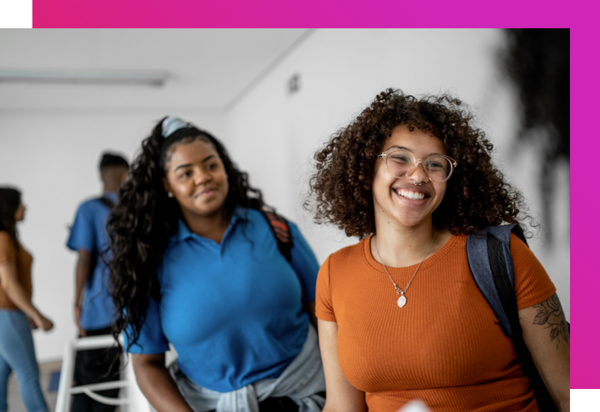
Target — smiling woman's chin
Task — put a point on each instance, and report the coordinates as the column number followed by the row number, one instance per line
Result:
column 208, row 205
column 412, row 220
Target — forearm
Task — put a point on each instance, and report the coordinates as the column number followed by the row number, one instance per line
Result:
column 157, row 385
column 565, row 406
column 15, row 291
column 546, row 334
column 20, row 297
column 82, row 271
column 79, row 282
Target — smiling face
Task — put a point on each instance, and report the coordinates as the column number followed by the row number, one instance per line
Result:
column 196, row 177
column 398, row 199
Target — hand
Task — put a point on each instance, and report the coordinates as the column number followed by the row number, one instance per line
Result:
column 77, row 314
column 32, row 324
column 44, row 323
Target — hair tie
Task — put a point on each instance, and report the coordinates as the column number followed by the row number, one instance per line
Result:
column 171, row 124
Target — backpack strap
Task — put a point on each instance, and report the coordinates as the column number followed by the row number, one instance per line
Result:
column 281, row 230
column 481, row 268
column 106, row 202
column 491, row 264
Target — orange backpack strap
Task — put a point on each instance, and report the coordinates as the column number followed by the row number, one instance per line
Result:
column 281, row 230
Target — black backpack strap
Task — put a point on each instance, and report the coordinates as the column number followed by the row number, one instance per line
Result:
column 106, row 201
column 281, row 230
column 496, row 282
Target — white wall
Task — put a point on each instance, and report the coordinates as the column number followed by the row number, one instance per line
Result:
column 52, row 156
column 275, row 134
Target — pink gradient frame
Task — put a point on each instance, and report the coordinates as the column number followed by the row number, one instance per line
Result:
column 579, row 16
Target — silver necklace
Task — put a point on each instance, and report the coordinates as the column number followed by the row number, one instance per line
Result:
column 402, row 298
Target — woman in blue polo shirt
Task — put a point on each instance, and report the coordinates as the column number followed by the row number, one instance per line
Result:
column 196, row 265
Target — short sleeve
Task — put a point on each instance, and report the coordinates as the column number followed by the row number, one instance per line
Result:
column 83, row 231
column 305, row 264
column 323, row 305
column 532, row 283
column 8, row 252
column 152, row 340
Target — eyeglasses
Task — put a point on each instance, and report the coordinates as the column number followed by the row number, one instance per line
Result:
column 437, row 167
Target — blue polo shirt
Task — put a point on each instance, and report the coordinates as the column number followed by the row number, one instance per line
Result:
column 89, row 233
column 232, row 311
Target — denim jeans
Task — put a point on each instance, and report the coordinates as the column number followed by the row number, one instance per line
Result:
column 17, row 354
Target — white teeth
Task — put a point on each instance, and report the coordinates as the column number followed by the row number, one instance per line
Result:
column 411, row 195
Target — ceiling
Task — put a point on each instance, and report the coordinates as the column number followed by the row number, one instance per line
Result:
column 209, row 69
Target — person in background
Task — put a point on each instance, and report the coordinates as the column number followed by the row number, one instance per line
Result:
column 18, row 315
column 196, row 264
column 400, row 315
column 92, row 307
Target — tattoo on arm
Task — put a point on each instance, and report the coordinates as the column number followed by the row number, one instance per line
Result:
column 551, row 316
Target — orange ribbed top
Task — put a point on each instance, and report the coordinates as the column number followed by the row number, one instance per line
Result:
column 22, row 260
column 445, row 346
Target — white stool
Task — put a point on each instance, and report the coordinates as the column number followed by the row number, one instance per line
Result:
column 133, row 399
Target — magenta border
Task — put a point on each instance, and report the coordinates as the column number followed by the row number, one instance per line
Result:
column 579, row 16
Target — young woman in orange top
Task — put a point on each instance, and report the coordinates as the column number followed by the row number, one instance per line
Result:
column 17, row 313
column 400, row 315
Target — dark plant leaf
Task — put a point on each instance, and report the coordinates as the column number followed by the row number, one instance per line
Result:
column 541, row 318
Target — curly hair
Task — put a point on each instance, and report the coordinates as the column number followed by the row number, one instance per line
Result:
column 477, row 195
column 144, row 219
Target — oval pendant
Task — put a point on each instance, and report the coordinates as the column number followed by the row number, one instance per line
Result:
column 401, row 301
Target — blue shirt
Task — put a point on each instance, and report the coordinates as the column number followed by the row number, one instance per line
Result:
column 89, row 233
column 234, row 311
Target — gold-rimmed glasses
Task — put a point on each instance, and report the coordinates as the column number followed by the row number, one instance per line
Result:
column 402, row 163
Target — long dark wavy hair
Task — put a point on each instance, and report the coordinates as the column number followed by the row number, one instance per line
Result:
column 477, row 195
column 10, row 199
column 144, row 219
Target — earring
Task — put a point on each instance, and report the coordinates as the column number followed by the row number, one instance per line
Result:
column 170, row 194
